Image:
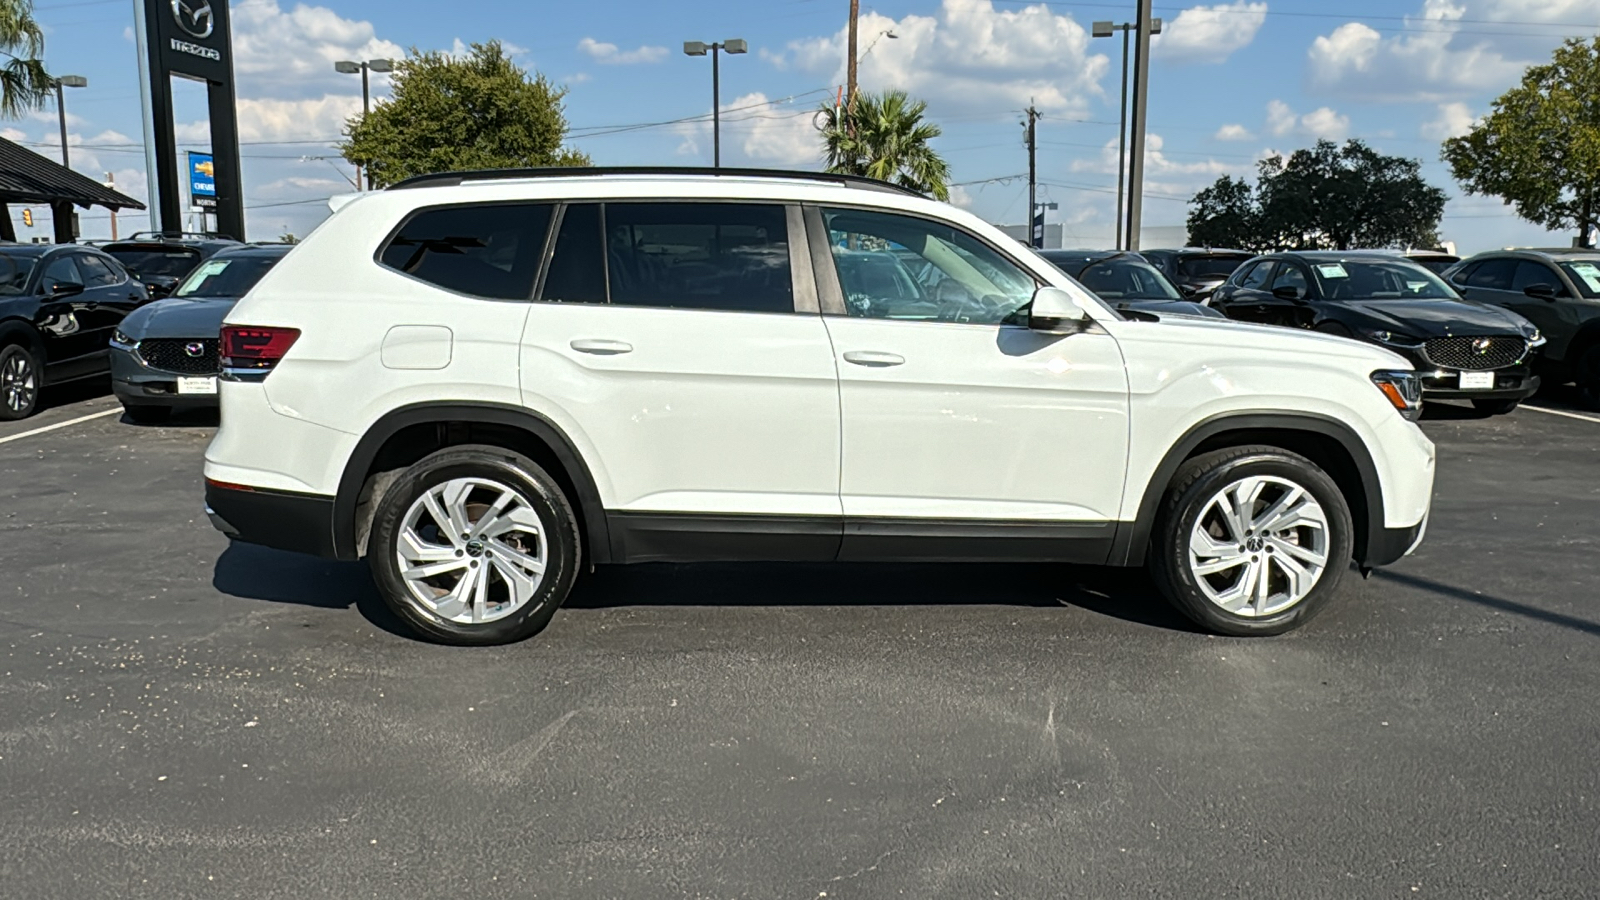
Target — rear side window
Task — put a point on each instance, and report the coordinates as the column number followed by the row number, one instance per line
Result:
column 61, row 270
column 718, row 256
column 1494, row 274
column 491, row 250
column 96, row 273
column 1256, row 278
column 578, row 268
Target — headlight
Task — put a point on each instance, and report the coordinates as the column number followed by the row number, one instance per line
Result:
column 1403, row 390
column 1390, row 338
column 118, row 337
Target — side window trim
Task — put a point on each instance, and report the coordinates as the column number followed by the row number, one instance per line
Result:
column 413, row 214
column 802, row 272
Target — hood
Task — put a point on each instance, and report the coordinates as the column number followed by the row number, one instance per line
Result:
column 1436, row 318
column 189, row 317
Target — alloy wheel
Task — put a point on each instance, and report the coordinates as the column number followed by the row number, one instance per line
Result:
column 471, row 550
column 1259, row 546
column 18, row 384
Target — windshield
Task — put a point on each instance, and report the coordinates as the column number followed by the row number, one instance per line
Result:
column 14, row 272
column 169, row 263
column 1209, row 266
column 1352, row 279
column 1126, row 278
column 1586, row 275
column 1435, row 264
column 225, row 276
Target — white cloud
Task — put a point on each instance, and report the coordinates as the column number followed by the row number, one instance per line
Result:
column 262, row 120
column 1233, row 132
column 1209, row 34
column 277, row 52
column 611, row 55
column 1156, row 163
column 756, row 131
column 1321, row 124
column 969, row 56
column 1440, row 57
column 1454, row 120
column 960, row 196
column 576, row 78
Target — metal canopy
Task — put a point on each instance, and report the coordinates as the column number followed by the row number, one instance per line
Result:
column 27, row 177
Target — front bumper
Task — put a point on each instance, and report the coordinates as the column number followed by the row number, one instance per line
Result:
column 283, row 520
column 1509, row 384
column 137, row 384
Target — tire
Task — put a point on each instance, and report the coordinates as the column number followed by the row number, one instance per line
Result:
column 1495, row 407
column 147, row 415
column 1189, row 503
column 1587, row 375
column 20, row 378
column 515, row 601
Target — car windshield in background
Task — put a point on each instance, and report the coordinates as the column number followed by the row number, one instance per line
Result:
column 1124, row 278
column 228, row 276
column 1209, row 266
column 173, row 263
column 14, row 272
column 1586, row 275
column 1353, row 279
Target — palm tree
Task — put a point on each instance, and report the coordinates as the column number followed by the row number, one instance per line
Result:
column 24, row 84
column 884, row 137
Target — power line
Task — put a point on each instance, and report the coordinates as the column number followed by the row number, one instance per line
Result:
column 1589, row 27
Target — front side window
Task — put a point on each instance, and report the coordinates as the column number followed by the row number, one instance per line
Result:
column 490, row 250
column 730, row 257
column 901, row 267
column 1529, row 273
column 1290, row 275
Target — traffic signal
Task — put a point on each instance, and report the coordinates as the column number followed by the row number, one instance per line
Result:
column 27, row 217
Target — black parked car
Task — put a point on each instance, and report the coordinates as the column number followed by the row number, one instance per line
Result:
column 1126, row 281
column 1462, row 349
column 58, row 306
column 1197, row 271
column 1559, row 291
column 164, row 355
column 162, row 259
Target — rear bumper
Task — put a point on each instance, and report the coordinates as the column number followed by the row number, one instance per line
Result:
column 283, row 520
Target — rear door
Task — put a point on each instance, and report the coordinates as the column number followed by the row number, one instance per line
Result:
column 680, row 342
column 1245, row 299
column 108, row 294
column 66, row 322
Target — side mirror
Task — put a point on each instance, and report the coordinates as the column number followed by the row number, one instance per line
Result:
column 66, row 289
column 1542, row 291
column 1055, row 312
column 1287, row 292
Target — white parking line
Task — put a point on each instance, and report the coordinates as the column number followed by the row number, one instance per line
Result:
column 99, row 415
column 1562, row 412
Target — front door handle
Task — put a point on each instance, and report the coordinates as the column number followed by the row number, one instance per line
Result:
column 602, row 347
column 874, row 358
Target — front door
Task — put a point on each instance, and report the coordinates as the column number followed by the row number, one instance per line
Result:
column 677, row 334
column 966, row 435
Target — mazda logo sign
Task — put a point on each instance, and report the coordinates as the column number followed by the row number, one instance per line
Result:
column 194, row 17
column 194, row 348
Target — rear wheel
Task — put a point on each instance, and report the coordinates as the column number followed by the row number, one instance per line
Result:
column 1495, row 407
column 147, row 415
column 474, row 545
column 1251, row 540
column 19, row 382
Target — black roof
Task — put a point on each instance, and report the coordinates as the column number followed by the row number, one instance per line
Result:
column 450, row 179
column 27, row 177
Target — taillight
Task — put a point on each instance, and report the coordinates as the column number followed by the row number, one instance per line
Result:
column 255, row 347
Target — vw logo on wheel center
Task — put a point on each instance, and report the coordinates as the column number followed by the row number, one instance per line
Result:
column 194, row 16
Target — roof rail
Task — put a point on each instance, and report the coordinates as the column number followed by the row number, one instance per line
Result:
column 181, row 235
column 451, row 179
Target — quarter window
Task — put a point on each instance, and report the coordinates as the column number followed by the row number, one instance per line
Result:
column 732, row 257
column 490, row 250
column 900, row 267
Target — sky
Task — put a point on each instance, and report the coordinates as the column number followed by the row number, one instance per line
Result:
column 1230, row 83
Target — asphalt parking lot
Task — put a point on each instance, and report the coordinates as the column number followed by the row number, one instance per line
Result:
column 181, row 718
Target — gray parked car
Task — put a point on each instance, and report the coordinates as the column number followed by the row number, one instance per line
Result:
column 1557, row 290
column 164, row 355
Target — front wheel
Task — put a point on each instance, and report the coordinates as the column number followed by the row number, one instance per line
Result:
column 1495, row 407
column 19, row 382
column 1251, row 540
column 474, row 545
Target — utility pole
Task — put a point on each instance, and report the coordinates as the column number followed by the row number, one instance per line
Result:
column 850, row 65
column 111, row 182
column 1033, row 206
column 1141, row 98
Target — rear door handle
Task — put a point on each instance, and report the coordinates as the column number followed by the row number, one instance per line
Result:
column 874, row 358
column 602, row 347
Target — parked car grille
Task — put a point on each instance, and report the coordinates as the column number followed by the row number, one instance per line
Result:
column 1476, row 353
column 172, row 355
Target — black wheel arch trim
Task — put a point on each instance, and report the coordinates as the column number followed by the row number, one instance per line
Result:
column 1132, row 542
column 536, row 425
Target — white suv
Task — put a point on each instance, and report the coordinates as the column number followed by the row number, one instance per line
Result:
column 485, row 382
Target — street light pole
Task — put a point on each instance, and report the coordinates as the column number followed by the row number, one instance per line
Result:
column 1141, row 98
column 66, row 81
column 1106, row 29
column 699, row 48
column 350, row 67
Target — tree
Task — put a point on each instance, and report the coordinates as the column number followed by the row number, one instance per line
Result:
column 24, row 83
column 481, row 111
column 1539, row 147
column 884, row 137
column 1325, row 197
